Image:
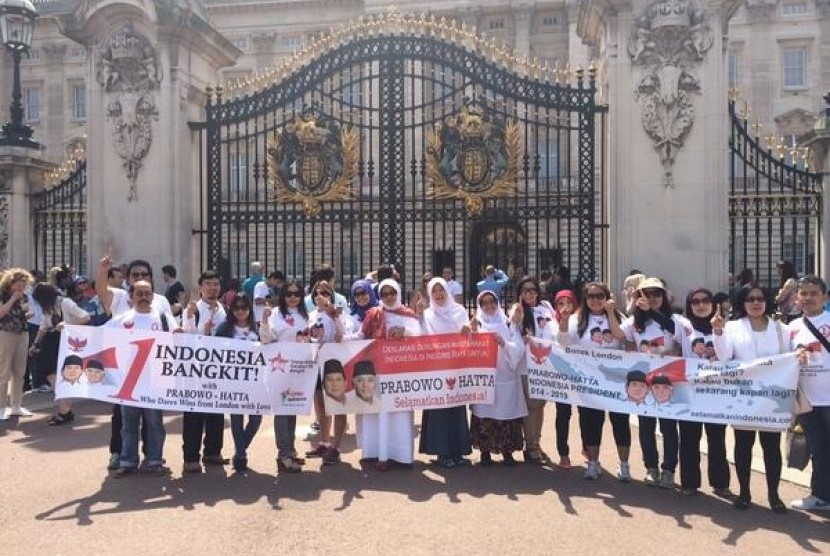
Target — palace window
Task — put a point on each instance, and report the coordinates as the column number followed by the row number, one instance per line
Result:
column 793, row 7
column 732, row 62
column 79, row 102
column 794, row 67
column 496, row 24
column 548, row 152
column 31, row 104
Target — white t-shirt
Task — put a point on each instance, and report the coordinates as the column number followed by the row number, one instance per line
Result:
column 597, row 334
column 216, row 315
column 244, row 333
column 653, row 339
column 261, row 291
column 814, row 379
column 130, row 319
column 72, row 314
column 698, row 345
column 455, row 288
column 121, row 302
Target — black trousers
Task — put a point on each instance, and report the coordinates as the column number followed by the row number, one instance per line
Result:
column 194, row 425
column 718, row 466
column 115, row 432
column 591, row 422
column 648, row 443
column 563, row 422
column 771, row 446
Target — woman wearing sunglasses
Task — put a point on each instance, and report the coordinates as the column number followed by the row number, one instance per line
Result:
column 532, row 317
column 597, row 325
column 288, row 323
column 240, row 325
column 700, row 308
column 653, row 328
column 752, row 334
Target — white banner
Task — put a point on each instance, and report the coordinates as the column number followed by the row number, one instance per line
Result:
column 184, row 372
column 757, row 394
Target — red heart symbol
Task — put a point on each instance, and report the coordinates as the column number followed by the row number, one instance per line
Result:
column 290, row 321
column 129, row 324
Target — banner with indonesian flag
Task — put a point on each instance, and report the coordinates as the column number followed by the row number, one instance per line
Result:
column 758, row 394
column 184, row 372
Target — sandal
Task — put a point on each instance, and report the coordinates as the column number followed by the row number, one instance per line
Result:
column 287, row 465
column 60, row 419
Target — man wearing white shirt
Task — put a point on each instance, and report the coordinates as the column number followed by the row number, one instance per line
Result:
column 203, row 317
column 116, row 302
column 455, row 288
column 265, row 290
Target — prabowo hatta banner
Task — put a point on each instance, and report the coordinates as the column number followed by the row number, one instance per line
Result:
column 757, row 394
column 185, row 372
column 425, row 372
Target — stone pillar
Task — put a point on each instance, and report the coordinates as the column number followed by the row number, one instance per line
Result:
column 21, row 175
column 664, row 65
column 818, row 141
column 150, row 63
column 522, row 19
column 759, row 60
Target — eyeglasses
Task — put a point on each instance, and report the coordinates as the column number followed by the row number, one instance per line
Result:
column 700, row 301
column 596, row 296
column 756, row 299
column 530, row 290
column 653, row 293
column 388, row 293
column 293, row 293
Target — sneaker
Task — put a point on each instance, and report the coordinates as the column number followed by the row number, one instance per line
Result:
column 114, row 462
column 20, row 412
column 123, row 472
column 192, row 467
column 593, row 471
column 724, row 493
column 44, row 389
column 155, row 469
column 624, row 472
column 332, row 456
column 810, row 503
column 564, row 462
column 667, row 480
column 315, row 426
column 652, row 477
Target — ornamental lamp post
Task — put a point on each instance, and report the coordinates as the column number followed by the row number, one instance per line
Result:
column 17, row 25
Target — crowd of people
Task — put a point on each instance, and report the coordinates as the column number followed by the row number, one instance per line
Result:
column 743, row 324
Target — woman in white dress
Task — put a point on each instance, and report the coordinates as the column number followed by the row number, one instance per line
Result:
column 498, row 427
column 387, row 436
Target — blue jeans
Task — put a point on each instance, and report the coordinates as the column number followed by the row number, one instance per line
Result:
column 817, row 427
column 285, row 427
column 648, row 442
column 243, row 434
column 154, row 445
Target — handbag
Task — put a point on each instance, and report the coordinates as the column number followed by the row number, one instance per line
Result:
column 802, row 404
column 798, row 453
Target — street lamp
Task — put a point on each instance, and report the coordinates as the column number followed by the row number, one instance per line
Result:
column 17, row 25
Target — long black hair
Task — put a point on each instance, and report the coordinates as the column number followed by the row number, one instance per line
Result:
column 528, row 319
column 226, row 328
column 585, row 312
column 283, row 306
column 739, row 309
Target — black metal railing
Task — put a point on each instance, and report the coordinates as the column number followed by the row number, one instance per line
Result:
column 60, row 222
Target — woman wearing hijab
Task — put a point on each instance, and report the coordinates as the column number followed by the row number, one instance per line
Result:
column 445, row 432
column 532, row 317
column 700, row 309
column 498, row 427
column 387, row 436
column 363, row 299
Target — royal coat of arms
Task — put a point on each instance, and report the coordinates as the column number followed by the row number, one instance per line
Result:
column 473, row 156
column 313, row 160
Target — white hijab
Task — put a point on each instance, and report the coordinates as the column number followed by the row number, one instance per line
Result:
column 496, row 323
column 447, row 317
column 398, row 303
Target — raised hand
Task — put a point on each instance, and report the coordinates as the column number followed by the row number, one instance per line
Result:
column 717, row 321
column 610, row 306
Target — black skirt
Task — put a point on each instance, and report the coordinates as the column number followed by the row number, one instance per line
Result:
column 444, row 432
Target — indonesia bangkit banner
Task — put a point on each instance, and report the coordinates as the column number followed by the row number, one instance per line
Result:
column 184, row 372
column 426, row 372
column 758, row 394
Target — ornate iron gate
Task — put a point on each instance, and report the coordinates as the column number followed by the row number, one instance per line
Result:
column 405, row 141
column 774, row 203
column 60, row 221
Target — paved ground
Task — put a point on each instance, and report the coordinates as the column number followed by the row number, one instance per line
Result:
column 58, row 500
